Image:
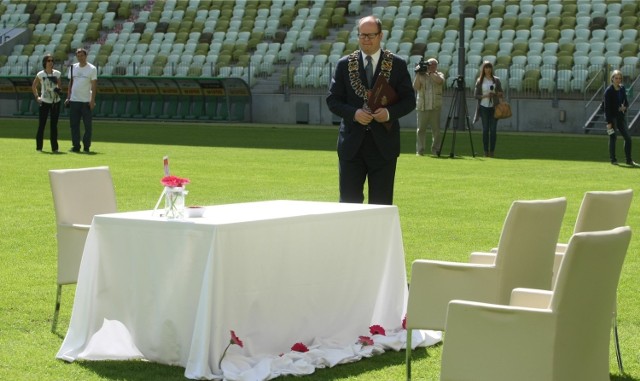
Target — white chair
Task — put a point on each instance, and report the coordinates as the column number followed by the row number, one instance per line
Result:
column 599, row 211
column 613, row 61
column 524, row 259
column 548, row 59
column 546, row 84
column 516, row 75
column 565, row 331
column 78, row 195
column 579, row 78
column 630, row 66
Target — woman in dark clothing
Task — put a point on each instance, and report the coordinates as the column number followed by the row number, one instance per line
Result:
column 46, row 90
column 615, row 107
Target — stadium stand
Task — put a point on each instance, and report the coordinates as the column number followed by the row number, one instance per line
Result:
column 543, row 47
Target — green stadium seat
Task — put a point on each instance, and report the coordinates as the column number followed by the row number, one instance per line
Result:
column 144, row 107
column 170, row 108
column 28, row 106
column 183, row 108
column 104, row 105
column 157, row 107
column 197, row 108
column 133, row 107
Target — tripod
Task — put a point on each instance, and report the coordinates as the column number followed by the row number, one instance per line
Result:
column 459, row 112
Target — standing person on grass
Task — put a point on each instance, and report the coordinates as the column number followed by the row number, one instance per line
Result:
column 615, row 108
column 367, row 150
column 488, row 91
column 81, row 99
column 48, row 81
column 428, row 86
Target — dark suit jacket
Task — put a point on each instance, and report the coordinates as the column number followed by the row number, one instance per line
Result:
column 612, row 100
column 344, row 102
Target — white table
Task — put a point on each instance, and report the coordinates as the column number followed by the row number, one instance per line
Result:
column 275, row 272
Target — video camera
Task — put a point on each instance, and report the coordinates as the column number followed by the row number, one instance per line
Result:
column 422, row 66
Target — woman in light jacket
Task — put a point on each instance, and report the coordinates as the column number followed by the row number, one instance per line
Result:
column 488, row 92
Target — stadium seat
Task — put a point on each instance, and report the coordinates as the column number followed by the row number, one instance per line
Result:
column 515, row 78
column 579, row 76
column 614, row 61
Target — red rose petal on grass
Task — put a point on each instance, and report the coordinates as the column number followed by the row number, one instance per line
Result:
column 365, row 340
column 299, row 347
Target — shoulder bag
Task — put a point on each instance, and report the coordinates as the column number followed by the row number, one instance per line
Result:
column 502, row 110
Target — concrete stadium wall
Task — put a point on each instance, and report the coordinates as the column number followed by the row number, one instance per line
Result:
column 529, row 115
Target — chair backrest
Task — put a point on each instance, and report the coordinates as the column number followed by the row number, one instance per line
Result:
column 583, row 299
column 78, row 195
column 603, row 210
column 526, row 250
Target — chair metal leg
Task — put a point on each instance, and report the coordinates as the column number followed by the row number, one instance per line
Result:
column 617, row 342
column 56, row 312
column 408, row 354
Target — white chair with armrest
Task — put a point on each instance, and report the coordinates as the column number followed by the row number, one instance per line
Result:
column 524, row 259
column 78, row 195
column 599, row 210
column 555, row 335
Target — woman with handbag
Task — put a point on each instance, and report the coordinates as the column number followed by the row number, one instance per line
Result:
column 488, row 91
column 615, row 106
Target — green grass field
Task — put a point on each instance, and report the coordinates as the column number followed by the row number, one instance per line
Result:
column 448, row 208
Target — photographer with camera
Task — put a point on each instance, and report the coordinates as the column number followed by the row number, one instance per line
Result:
column 428, row 84
column 48, row 81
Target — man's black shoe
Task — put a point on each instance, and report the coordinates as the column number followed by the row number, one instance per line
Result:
column 76, row 150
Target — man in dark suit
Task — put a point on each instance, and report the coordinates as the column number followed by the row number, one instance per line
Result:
column 367, row 150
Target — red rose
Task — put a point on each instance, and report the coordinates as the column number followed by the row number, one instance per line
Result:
column 174, row 181
column 377, row 330
column 235, row 340
column 299, row 347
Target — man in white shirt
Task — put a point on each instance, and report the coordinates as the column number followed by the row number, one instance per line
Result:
column 81, row 99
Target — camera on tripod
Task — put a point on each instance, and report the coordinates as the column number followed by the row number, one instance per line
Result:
column 459, row 82
column 423, row 66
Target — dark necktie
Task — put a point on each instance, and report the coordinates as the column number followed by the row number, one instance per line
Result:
column 369, row 70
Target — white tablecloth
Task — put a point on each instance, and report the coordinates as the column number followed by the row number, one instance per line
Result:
column 275, row 272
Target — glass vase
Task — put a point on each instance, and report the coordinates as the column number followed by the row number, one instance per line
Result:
column 174, row 202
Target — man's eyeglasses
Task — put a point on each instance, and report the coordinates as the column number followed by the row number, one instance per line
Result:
column 367, row 36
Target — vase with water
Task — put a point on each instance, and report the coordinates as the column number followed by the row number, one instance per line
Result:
column 174, row 202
